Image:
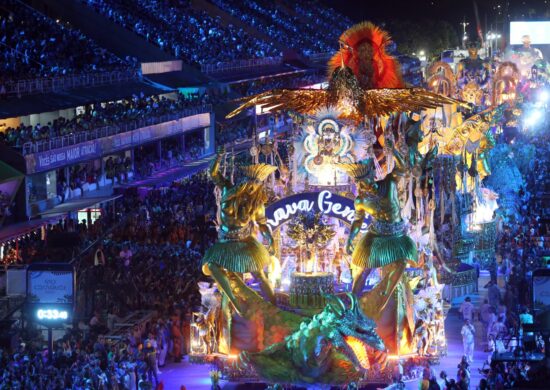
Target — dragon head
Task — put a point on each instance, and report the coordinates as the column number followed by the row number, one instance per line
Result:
column 349, row 330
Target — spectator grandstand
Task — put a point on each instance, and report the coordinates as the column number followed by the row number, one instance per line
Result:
column 34, row 46
column 120, row 113
column 205, row 39
column 78, row 158
column 307, row 27
column 186, row 33
column 155, row 272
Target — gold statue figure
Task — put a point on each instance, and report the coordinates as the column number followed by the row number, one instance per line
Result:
column 386, row 244
column 237, row 250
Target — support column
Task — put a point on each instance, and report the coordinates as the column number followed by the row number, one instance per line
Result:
column 102, row 174
column 50, row 344
column 210, row 136
column 67, row 174
column 27, row 183
column 132, row 160
column 159, row 150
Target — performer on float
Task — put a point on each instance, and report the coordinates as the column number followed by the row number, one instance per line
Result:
column 473, row 68
column 237, row 250
column 528, row 50
column 386, row 244
column 473, row 74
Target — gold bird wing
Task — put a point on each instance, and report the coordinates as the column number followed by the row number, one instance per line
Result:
column 374, row 102
column 305, row 101
column 381, row 102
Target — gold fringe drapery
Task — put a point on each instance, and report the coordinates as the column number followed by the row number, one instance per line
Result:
column 247, row 255
column 373, row 250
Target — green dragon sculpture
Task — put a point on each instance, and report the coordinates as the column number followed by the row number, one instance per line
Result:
column 334, row 347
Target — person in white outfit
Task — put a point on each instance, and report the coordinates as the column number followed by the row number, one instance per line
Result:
column 467, row 309
column 468, row 336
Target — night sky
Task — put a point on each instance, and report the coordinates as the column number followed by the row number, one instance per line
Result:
column 452, row 11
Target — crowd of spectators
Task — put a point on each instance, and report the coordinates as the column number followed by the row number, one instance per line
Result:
column 149, row 261
column 514, row 375
column 127, row 112
column 33, row 45
column 525, row 239
column 185, row 32
column 78, row 362
column 36, row 45
column 43, row 244
column 511, row 375
column 235, row 130
column 522, row 244
column 166, row 236
column 307, row 27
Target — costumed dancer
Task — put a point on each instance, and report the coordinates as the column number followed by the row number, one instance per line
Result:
column 468, row 337
column 386, row 244
column 237, row 250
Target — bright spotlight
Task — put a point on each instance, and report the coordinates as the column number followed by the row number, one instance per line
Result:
column 543, row 96
column 534, row 117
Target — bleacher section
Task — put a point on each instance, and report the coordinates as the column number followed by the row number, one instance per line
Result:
column 39, row 54
column 51, row 127
column 150, row 57
column 305, row 27
column 184, row 32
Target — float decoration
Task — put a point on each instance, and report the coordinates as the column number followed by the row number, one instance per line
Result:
column 342, row 342
column 334, row 347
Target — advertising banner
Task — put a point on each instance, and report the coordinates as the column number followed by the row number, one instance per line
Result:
column 52, row 159
column 50, row 287
column 56, row 158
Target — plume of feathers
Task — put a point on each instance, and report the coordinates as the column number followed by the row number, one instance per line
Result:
column 364, row 52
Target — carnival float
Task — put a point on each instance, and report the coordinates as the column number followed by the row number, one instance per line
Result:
column 336, row 259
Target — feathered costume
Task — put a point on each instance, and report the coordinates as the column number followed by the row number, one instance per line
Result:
column 364, row 52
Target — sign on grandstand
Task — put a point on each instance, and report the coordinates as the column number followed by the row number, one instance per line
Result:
column 51, row 291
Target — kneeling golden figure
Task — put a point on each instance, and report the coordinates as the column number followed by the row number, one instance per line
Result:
column 237, row 250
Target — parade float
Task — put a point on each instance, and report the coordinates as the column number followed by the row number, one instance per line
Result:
column 332, row 257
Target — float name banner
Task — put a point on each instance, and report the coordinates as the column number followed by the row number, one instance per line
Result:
column 60, row 157
column 50, row 287
column 326, row 202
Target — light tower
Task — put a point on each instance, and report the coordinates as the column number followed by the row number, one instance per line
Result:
column 464, row 24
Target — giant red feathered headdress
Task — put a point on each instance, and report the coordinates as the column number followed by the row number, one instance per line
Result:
column 364, row 52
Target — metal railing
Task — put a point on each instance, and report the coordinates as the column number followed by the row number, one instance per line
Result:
column 32, row 147
column 62, row 83
column 226, row 67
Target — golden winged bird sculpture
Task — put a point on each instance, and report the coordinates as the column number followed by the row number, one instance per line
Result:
column 364, row 82
column 371, row 103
